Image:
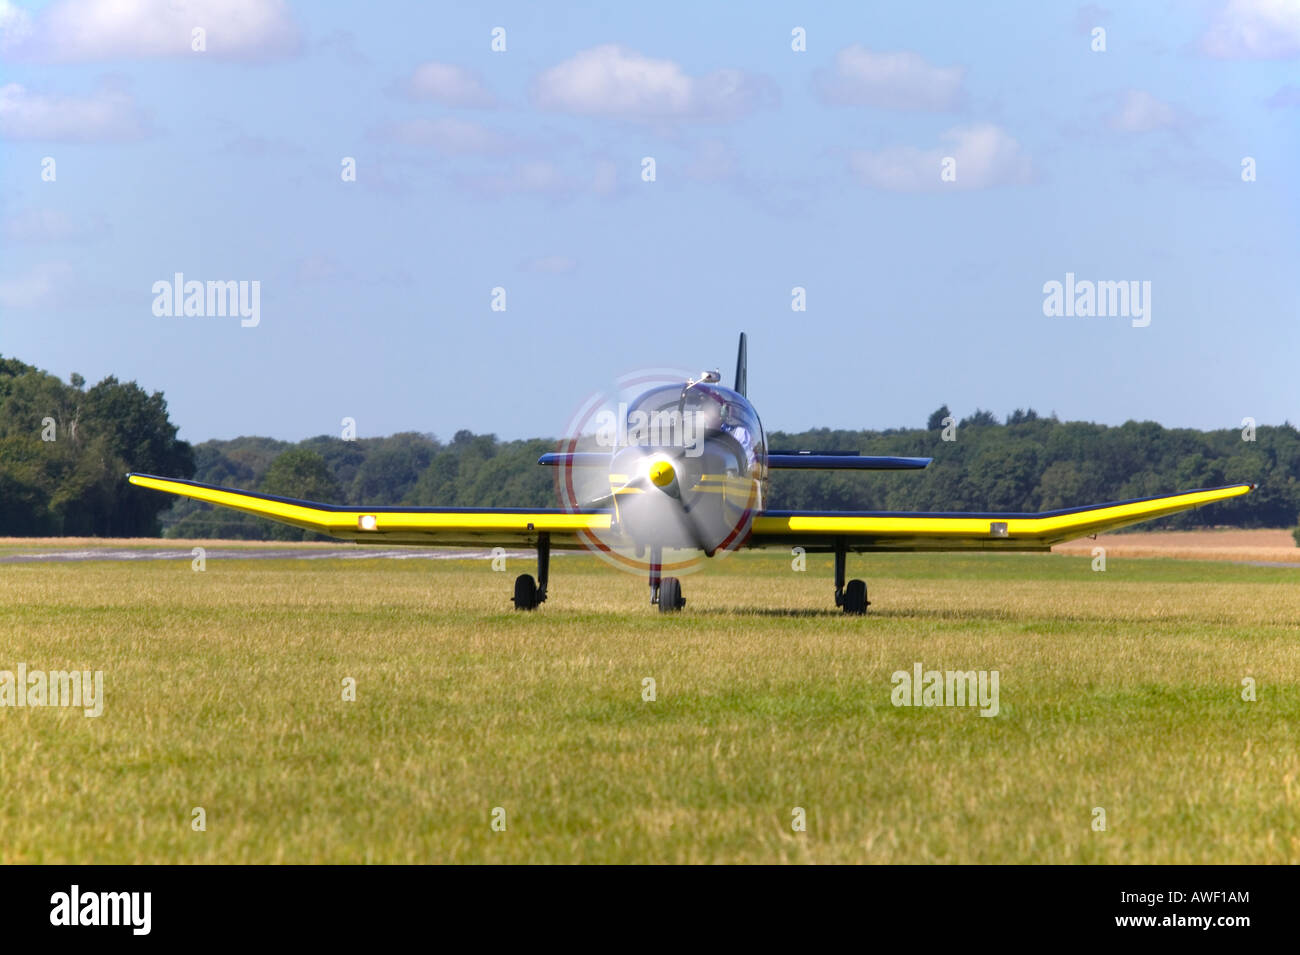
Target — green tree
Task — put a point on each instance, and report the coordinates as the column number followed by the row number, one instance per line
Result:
column 302, row 475
column 65, row 453
column 127, row 429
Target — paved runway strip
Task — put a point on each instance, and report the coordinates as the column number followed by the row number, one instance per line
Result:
column 351, row 553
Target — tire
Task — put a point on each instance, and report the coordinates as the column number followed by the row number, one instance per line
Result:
column 670, row 595
column 855, row 597
column 525, row 592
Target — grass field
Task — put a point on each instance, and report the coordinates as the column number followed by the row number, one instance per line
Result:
column 1119, row 690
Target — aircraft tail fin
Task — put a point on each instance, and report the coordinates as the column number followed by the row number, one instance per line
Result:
column 742, row 370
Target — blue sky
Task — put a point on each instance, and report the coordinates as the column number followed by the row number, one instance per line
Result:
column 774, row 168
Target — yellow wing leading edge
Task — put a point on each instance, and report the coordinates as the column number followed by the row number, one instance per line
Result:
column 447, row 526
column 814, row 530
column 867, row 531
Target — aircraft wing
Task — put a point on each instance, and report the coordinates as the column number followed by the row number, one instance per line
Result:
column 447, row 526
column 843, row 461
column 950, row 531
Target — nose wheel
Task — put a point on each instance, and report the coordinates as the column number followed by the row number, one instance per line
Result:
column 665, row 592
column 670, row 598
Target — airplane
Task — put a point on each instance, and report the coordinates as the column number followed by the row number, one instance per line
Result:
column 668, row 498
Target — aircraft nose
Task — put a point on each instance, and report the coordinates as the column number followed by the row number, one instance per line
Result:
column 662, row 474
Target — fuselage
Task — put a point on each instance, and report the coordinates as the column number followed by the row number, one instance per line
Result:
column 689, row 470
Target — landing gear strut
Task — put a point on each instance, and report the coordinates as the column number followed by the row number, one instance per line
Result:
column 665, row 592
column 853, row 598
column 530, row 593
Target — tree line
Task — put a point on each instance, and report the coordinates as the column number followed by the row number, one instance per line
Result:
column 1025, row 463
column 64, row 451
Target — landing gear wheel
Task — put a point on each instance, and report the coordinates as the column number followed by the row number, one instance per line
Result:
column 525, row 592
column 855, row 597
column 670, row 595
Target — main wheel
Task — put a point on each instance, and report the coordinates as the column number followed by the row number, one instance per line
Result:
column 855, row 597
column 525, row 592
column 670, row 595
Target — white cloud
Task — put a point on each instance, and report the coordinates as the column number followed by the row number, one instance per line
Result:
column 80, row 30
column 898, row 80
column 449, row 85
column 617, row 82
column 37, row 288
column 1254, row 30
column 15, row 24
column 985, row 156
column 40, row 224
column 104, row 115
column 1140, row 112
column 452, row 136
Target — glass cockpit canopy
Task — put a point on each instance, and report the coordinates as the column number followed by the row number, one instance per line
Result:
column 699, row 409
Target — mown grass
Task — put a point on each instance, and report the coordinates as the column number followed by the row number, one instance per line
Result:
column 1119, row 690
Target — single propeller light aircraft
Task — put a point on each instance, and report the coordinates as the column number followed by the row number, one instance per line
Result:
column 704, row 497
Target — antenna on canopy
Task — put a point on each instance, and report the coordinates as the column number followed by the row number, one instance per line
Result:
column 742, row 376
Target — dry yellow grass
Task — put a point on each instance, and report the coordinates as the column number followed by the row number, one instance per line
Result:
column 1119, row 690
